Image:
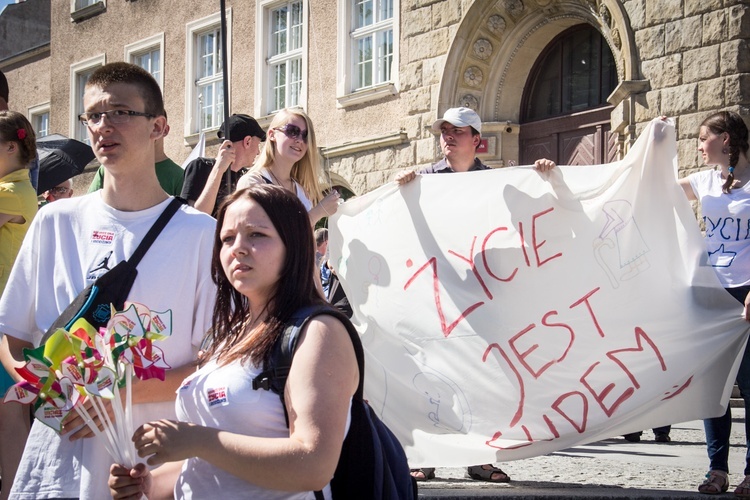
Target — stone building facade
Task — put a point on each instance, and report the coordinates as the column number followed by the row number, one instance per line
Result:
column 504, row 58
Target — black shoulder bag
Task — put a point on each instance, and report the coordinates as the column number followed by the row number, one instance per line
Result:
column 113, row 287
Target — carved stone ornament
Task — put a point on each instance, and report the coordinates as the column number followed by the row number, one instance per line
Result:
column 473, row 76
column 482, row 49
column 515, row 7
column 615, row 34
column 605, row 15
column 469, row 101
column 496, row 25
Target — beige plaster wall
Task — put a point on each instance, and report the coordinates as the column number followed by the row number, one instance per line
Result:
column 28, row 83
column 692, row 54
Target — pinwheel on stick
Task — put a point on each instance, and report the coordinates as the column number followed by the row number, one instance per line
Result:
column 83, row 370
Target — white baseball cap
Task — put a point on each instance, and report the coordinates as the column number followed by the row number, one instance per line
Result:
column 459, row 117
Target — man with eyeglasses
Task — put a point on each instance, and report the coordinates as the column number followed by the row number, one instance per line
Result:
column 62, row 190
column 169, row 173
column 204, row 186
column 69, row 245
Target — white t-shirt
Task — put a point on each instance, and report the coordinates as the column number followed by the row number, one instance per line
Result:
column 222, row 397
column 251, row 178
column 727, row 220
column 69, row 244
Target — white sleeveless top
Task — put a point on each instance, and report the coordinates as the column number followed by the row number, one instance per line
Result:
column 222, row 397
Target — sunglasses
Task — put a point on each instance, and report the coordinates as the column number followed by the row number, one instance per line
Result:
column 293, row 132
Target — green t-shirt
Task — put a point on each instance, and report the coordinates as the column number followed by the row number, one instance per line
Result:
column 169, row 173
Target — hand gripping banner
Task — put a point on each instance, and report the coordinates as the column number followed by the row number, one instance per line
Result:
column 510, row 313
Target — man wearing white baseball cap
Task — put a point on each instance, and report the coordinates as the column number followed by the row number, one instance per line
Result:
column 460, row 132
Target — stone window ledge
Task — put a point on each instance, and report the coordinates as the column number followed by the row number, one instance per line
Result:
column 211, row 138
column 351, row 147
column 366, row 95
column 88, row 11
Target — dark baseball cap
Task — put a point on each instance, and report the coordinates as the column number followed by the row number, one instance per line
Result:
column 240, row 126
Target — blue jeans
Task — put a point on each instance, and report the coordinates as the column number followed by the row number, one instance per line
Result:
column 718, row 429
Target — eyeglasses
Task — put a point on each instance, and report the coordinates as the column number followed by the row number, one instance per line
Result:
column 116, row 116
column 59, row 190
column 293, row 132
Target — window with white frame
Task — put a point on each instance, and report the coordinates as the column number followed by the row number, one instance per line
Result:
column 372, row 41
column 39, row 118
column 281, row 43
column 209, row 80
column 80, row 4
column 205, row 85
column 368, row 42
column 79, row 75
column 149, row 55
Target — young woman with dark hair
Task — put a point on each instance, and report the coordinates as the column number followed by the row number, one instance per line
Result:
column 233, row 440
column 724, row 193
column 18, row 206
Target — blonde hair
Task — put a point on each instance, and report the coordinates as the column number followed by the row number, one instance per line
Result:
column 305, row 171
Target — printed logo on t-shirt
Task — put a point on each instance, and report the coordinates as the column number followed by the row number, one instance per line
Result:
column 99, row 268
column 217, row 396
column 102, row 237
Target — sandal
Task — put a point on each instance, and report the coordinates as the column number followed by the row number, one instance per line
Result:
column 743, row 489
column 482, row 473
column 427, row 473
column 716, row 482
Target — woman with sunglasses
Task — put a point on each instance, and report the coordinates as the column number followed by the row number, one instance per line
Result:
column 290, row 159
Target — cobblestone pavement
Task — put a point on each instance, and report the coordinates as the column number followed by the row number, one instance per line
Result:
column 611, row 469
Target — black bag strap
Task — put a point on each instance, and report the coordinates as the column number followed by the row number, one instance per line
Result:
column 275, row 372
column 155, row 230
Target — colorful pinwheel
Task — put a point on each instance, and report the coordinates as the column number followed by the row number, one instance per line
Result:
column 83, row 364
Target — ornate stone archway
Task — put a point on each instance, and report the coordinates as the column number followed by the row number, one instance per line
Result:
column 495, row 48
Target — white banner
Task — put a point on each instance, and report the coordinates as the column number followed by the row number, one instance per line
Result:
column 509, row 313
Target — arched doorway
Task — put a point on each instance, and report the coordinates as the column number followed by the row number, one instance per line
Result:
column 564, row 111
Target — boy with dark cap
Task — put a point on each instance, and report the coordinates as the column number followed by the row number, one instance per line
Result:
column 204, row 185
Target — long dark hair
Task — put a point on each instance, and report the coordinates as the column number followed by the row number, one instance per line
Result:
column 295, row 288
column 733, row 124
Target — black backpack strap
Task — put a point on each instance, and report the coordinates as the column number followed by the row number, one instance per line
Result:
column 153, row 233
column 275, row 372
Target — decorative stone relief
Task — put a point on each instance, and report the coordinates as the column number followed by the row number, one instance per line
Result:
column 469, row 101
column 473, row 76
column 605, row 15
column 482, row 49
column 496, row 25
column 543, row 3
column 615, row 34
column 515, row 7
